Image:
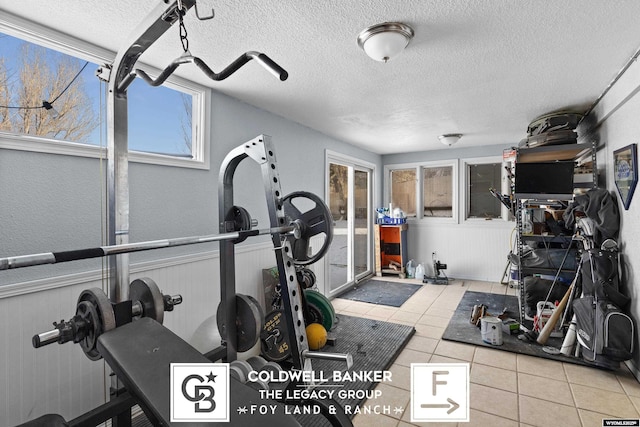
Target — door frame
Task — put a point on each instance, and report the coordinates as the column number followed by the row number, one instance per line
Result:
column 361, row 165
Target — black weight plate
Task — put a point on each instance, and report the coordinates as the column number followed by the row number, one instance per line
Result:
column 317, row 220
column 106, row 320
column 249, row 316
column 275, row 337
column 148, row 294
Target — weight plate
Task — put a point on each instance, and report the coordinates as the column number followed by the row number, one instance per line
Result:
column 237, row 219
column 314, row 315
column 243, row 366
column 249, row 316
column 317, row 220
column 257, row 362
column 237, row 373
column 275, row 337
column 323, row 305
column 88, row 336
column 148, row 294
column 105, row 320
column 306, row 278
column 240, row 218
column 275, row 370
column 272, row 367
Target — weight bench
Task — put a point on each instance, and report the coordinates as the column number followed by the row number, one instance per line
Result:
column 141, row 352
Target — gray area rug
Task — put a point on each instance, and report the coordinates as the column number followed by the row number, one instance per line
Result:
column 460, row 329
column 393, row 294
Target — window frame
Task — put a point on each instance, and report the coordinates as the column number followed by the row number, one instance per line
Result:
column 419, row 167
column 55, row 40
column 466, row 194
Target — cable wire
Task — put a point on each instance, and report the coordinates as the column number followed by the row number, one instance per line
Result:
column 56, row 98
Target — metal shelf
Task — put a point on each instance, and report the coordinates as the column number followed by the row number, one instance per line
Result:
column 548, row 153
column 581, row 154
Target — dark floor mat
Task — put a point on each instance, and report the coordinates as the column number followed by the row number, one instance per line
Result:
column 373, row 344
column 393, row 294
column 461, row 330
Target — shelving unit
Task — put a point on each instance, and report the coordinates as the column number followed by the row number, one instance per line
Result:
column 584, row 156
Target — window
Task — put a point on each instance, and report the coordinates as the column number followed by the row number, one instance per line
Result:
column 431, row 185
column 165, row 124
column 437, row 187
column 403, row 190
column 480, row 178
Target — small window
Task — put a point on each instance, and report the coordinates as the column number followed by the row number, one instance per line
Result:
column 482, row 177
column 48, row 95
column 438, row 191
column 403, row 190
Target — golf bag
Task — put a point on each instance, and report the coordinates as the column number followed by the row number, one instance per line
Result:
column 603, row 330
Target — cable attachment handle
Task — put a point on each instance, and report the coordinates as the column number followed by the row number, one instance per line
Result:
column 186, row 58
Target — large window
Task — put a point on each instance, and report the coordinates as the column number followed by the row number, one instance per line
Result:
column 49, row 93
column 424, row 190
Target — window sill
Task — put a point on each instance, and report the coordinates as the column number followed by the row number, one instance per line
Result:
column 10, row 141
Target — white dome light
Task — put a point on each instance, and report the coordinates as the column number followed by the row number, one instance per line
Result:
column 382, row 42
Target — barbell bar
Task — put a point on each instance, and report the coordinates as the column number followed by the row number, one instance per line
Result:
column 20, row 261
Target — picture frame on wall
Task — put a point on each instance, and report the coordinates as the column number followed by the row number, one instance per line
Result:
column 625, row 172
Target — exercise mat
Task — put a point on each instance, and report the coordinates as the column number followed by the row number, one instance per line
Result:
column 373, row 344
column 461, row 330
column 381, row 292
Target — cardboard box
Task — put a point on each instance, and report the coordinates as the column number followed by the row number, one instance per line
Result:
column 510, row 326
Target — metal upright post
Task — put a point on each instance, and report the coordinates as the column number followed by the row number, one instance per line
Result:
column 121, row 76
column 261, row 151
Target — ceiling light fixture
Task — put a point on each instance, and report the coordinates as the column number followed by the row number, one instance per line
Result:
column 450, row 138
column 383, row 42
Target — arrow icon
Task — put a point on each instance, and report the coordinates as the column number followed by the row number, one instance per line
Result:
column 452, row 405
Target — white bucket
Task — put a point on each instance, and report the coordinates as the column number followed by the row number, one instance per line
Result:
column 491, row 330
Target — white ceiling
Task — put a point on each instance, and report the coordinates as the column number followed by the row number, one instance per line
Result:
column 481, row 68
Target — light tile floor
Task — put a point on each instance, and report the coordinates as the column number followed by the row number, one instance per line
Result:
column 507, row 389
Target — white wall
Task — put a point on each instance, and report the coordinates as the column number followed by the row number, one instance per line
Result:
column 616, row 125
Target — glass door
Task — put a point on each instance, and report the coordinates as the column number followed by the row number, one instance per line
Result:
column 349, row 188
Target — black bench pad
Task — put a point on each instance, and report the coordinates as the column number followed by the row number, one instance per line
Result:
column 141, row 353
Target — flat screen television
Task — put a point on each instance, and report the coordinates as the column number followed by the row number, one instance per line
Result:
column 544, row 181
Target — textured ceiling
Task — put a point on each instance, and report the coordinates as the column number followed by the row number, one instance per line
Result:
column 481, row 68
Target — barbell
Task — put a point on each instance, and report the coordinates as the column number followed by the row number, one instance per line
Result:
column 303, row 225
